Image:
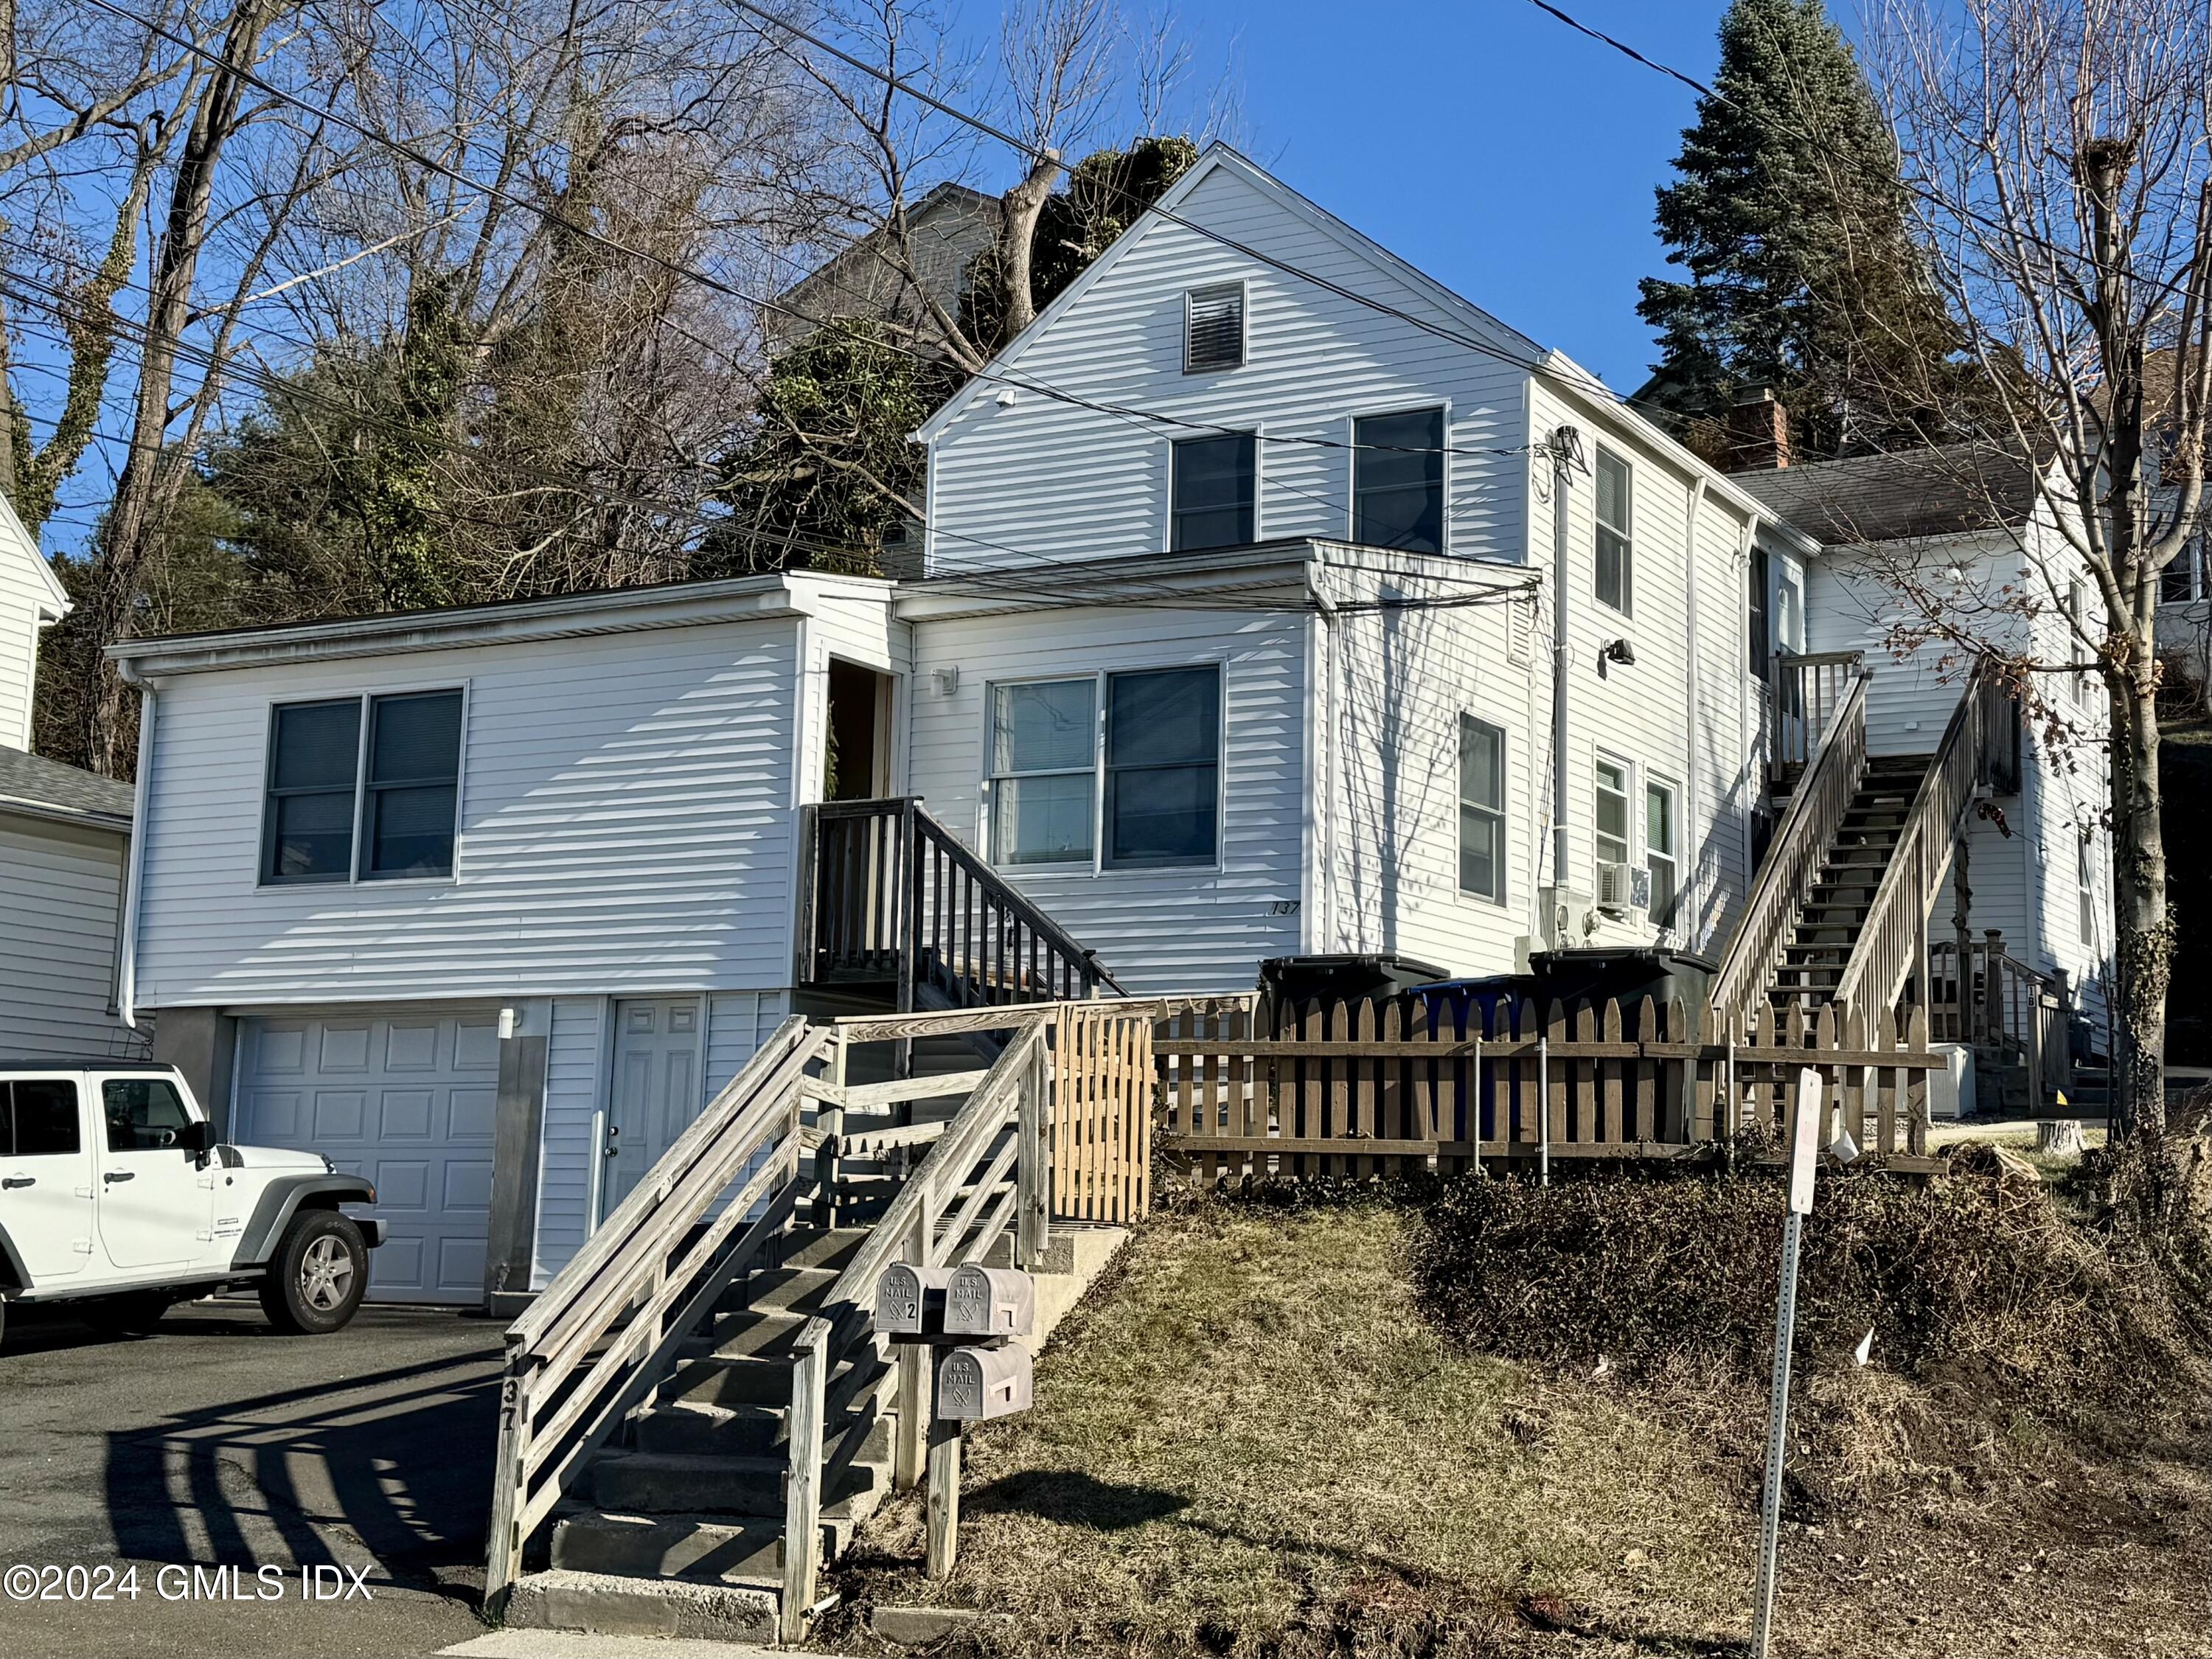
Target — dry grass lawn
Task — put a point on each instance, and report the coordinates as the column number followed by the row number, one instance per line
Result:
column 1249, row 1442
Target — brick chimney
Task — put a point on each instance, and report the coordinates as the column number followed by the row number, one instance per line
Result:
column 1758, row 431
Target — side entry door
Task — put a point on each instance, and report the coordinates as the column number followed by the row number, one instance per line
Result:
column 155, row 1199
column 46, row 1176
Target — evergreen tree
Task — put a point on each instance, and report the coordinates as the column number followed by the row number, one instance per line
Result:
column 1789, row 218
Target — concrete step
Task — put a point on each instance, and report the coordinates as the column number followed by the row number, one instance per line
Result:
column 714, row 1549
column 747, row 1336
column 607, row 1605
column 658, row 1483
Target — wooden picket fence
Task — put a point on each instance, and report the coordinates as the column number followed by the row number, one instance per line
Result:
column 1102, row 1118
column 1350, row 1090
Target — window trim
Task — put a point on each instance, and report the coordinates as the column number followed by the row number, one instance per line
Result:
column 1442, row 408
column 1502, row 813
column 354, row 876
column 2085, row 892
column 1243, row 326
column 1629, row 775
column 1627, row 534
column 1655, row 784
column 1095, row 867
column 1257, row 433
column 987, row 791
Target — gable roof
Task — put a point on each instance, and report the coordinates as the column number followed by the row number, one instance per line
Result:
column 1953, row 489
column 1219, row 158
column 14, row 532
column 49, row 789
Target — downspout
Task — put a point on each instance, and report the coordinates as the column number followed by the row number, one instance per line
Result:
column 1567, row 448
column 1689, row 903
column 1324, row 781
column 134, row 860
column 1750, row 692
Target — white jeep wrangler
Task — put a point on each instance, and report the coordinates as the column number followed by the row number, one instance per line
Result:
column 115, row 1195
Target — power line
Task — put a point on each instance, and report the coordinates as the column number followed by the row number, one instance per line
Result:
column 967, row 569
column 692, row 273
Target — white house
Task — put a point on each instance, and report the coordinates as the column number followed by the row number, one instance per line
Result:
column 63, row 835
column 1277, row 601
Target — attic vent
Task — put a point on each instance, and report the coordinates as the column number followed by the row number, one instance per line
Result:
column 1213, row 327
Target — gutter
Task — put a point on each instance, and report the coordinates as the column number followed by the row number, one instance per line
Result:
column 134, row 861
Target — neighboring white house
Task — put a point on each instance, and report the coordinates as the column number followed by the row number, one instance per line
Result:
column 63, row 836
column 1258, row 620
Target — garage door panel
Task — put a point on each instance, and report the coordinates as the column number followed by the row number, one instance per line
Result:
column 342, row 1048
column 404, row 1114
column 406, row 1099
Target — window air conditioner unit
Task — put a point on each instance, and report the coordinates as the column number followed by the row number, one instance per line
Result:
column 1623, row 887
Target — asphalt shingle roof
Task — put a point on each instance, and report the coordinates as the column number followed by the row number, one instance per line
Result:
column 35, row 781
column 1882, row 498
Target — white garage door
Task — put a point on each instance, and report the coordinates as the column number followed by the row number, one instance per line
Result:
column 404, row 1096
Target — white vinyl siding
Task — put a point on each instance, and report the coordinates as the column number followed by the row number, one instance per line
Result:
column 24, row 594
column 1155, row 929
column 627, row 814
column 1003, row 475
column 60, row 888
column 576, row 1091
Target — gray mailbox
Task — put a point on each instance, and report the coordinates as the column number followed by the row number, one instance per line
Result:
column 975, row 1384
column 910, row 1300
column 990, row 1301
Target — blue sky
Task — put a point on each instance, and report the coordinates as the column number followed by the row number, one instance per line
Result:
column 1506, row 155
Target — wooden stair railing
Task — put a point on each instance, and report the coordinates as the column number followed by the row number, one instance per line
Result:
column 890, row 895
column 1794, row 858
column 988, row 1171
column 1892, row 945
column 602, row 1335
column 1808, row 693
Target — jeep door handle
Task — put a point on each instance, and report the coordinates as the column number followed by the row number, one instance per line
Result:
column 120, row 1175
column 19, row 1181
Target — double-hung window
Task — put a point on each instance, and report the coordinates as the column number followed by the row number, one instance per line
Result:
column 1398, row 480
column 1481, row 809
column 1660, row 856
column 1615, row 533
column 1610, row 820
column 1214, row 488
column 1138, row 789
column 1162, row 766
column 2077, row 611
column 362, row 788
column 1044, row 762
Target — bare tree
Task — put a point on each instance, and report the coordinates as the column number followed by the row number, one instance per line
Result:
column 2058, row 153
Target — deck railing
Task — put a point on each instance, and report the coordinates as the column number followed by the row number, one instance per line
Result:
column 2001, row 1004
column 1352, row 1091
column 1808, row 696
column 1794, row 857
column 890, row 896
column 1891, row 947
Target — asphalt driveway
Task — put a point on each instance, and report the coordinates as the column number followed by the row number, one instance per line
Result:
column 216, row 1443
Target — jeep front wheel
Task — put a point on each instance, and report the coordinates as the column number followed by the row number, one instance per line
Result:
column 318, row 1275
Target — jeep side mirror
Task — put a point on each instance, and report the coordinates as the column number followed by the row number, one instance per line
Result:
column 194, row 1137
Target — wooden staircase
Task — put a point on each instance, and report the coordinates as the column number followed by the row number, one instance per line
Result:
column 698, row 1413
column 1839, row 911
column 1836, row 904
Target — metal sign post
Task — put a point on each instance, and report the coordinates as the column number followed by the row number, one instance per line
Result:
column 1804, row 1155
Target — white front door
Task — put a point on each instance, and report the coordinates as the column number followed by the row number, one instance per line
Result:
column 154, row 1199
column 404, row 1095
column 46, row 1176
column 656, row 1089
